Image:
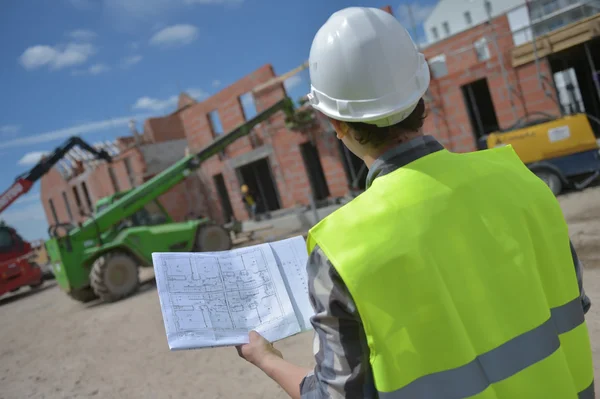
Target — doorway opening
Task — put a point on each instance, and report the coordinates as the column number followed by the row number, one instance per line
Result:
column 577, row 80
column 259, row 179
column 226, row 207
column 314, row 169
column 355, row 168
column 480, row 107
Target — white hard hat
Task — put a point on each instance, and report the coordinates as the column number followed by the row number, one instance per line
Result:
column 364, row 67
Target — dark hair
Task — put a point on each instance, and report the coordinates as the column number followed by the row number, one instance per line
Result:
column 366, row 134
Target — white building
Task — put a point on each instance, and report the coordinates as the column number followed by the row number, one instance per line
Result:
column 450, row 17
column 526, row 17
column 539, row 17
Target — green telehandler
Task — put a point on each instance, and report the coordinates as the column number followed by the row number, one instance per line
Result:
column 100, row 258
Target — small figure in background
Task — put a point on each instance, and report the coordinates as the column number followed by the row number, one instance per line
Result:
column 249, row 200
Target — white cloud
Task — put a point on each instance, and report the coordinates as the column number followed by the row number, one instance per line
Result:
column 37, row 56
column 175, row 36
column 77, row 130
column 159, row 105
column 9, row 129
column 131, row 61
column 292, row 82
column 155, row 104
column 82, row 35
column 56, row 57
column 31, row 158
column 95, row 69
column 216, row 83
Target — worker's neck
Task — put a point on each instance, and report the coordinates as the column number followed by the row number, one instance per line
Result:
column 371, row 156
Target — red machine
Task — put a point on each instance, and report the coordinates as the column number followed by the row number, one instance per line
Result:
column 17, row 268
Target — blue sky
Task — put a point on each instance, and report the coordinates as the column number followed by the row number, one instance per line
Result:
column 85, row 67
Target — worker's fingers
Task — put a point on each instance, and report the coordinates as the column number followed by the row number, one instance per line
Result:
column 239, row 351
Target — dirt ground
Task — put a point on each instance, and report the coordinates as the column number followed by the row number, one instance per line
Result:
column 53, row 347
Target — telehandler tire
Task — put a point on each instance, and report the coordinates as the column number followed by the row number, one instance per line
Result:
column 114, row 276
column 211, row 238
column 83, row 295
column 552, row 180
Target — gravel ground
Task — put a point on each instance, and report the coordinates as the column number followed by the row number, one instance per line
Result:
column 53, row 347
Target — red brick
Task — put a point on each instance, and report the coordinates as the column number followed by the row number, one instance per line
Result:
column 165, row 128
column 178, row 201
column 287, row 165
column 451, row 119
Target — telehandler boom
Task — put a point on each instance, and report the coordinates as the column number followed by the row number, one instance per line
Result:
column 100, row 258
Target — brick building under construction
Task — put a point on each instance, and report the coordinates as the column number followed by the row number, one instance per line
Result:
column 283, row 168
column 481, row 82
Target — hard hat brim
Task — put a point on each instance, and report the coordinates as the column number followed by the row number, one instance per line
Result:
column 384, row 111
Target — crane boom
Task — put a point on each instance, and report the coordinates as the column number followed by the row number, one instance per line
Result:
column 138, row 197
column 25, row 181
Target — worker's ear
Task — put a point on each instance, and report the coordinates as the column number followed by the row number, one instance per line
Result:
column 341, row 128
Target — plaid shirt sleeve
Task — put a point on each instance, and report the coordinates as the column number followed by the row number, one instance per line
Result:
column 342, row 356
column 585, row 300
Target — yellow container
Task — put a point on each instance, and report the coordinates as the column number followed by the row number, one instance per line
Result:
column 557, row 138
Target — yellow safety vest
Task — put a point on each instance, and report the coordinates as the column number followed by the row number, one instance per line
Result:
column 461, row 270
column 249, row 199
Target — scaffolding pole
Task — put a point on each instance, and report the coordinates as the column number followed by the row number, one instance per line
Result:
column 541, row 76
column 501, row 62
column 534, row 44
column 505, row 76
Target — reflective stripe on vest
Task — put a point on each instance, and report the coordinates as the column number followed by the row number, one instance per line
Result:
column 499, row 363
column 471, row 249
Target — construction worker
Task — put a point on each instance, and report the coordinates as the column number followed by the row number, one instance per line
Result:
column 452, row 275
column 249, row 201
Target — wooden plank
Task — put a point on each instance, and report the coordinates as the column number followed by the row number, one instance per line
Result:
column 561, row 39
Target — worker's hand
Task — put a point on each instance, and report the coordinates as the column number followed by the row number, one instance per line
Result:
column 258, row 350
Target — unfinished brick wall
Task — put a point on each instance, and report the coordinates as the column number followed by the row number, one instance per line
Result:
column 51, row 187
column 448, row 117
column 180, row 202
column 287, row 166
column 166, row 128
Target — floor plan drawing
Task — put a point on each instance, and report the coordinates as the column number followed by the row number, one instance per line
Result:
column 210, row 299
column 291, row 256
column 227, row 292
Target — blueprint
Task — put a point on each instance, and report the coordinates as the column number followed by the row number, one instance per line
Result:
column 291, row 257
column 215, row 298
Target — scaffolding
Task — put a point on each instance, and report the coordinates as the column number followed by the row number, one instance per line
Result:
column 493, row 60
column 77, row 160
column 483, row 54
